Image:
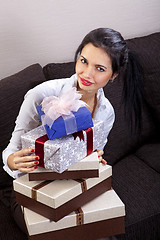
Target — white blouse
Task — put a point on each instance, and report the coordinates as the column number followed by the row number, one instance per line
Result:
column 29, row 119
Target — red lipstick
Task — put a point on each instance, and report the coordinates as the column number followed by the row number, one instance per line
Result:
column 85, row 82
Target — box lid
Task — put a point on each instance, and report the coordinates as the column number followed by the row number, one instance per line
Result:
column 88, row 163
column 106, row 206
column 85, row 168
column 55, row 193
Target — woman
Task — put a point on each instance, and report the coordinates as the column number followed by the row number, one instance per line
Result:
column 101, row 56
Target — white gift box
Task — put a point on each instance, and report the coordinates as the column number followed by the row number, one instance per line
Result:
column 101, row 217
column 57, row 198
column 88, row 167
column 62, row 153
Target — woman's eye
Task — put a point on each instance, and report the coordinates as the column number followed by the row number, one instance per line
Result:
column 100, row 69
column 83, row 60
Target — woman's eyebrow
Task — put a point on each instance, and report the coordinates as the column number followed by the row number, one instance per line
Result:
column 83, row 57
column 97, row 65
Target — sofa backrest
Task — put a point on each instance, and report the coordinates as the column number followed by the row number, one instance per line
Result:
column 12, row 91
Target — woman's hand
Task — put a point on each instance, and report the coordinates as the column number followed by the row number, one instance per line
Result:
column 101, row 160
column 23, row 160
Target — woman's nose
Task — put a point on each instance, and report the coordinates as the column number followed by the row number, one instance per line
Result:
column 88, row 72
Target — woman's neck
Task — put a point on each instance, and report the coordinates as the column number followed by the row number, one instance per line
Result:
column 90, row 99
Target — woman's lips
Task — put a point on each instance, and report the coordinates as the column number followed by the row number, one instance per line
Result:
column 85, row 82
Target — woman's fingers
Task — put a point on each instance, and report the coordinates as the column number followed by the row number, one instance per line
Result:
column 104, row 161
column 24, row 152
column 29, row 158
column 27, row 164
column 27, row 170
column 101, row 160
column 23, row 160
column 100, row 153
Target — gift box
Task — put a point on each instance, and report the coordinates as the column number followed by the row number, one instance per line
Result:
column 101, row 217
column 64, row 114
column 63, row 126
column 57, row 198
column 85, row 168
column 61, row 153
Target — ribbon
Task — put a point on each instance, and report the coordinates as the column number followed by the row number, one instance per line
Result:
column 78, row 134
column 39, row 148
column 83, row 184
column 70, row 123
column 89, row 133
column 64, row 105
column 80, row 216
column 38, row 186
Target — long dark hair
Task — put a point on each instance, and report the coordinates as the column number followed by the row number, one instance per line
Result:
column 124, row 62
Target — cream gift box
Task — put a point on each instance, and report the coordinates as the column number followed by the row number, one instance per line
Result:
column 57, row 198
column 59, row 154
column 85, row 168
column 101, row 217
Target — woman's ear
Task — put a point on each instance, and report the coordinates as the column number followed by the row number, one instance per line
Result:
column 113, row 77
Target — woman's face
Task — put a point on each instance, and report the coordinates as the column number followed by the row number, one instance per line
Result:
column 93, row 68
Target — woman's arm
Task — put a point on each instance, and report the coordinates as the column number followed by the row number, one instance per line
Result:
column 16, row 159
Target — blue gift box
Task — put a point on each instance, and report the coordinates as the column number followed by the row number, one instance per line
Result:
column 62, row 127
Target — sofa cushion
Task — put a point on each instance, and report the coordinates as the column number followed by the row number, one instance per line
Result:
column 12, row 91
column 59, row 70
column 150, row 154
column 138, row 187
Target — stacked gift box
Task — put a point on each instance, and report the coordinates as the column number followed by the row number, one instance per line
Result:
column 84, row 208
column 69, row 196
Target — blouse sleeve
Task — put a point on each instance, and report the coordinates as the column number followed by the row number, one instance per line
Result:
column 108, row 124
column 105, row 112
column 28, row 118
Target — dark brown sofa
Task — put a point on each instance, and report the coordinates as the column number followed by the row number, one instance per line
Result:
column 135, row 157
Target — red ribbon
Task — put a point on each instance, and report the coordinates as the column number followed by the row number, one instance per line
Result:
column 89, row 133
column 39, row 144
column 78, row 134
column 39, row 149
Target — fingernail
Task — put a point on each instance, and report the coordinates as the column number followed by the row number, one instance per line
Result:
column 36, row 162
column 32, row 150
column 37, row 158
column 35, row 167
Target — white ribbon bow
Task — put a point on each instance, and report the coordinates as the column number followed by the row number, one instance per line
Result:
column 64, row 105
